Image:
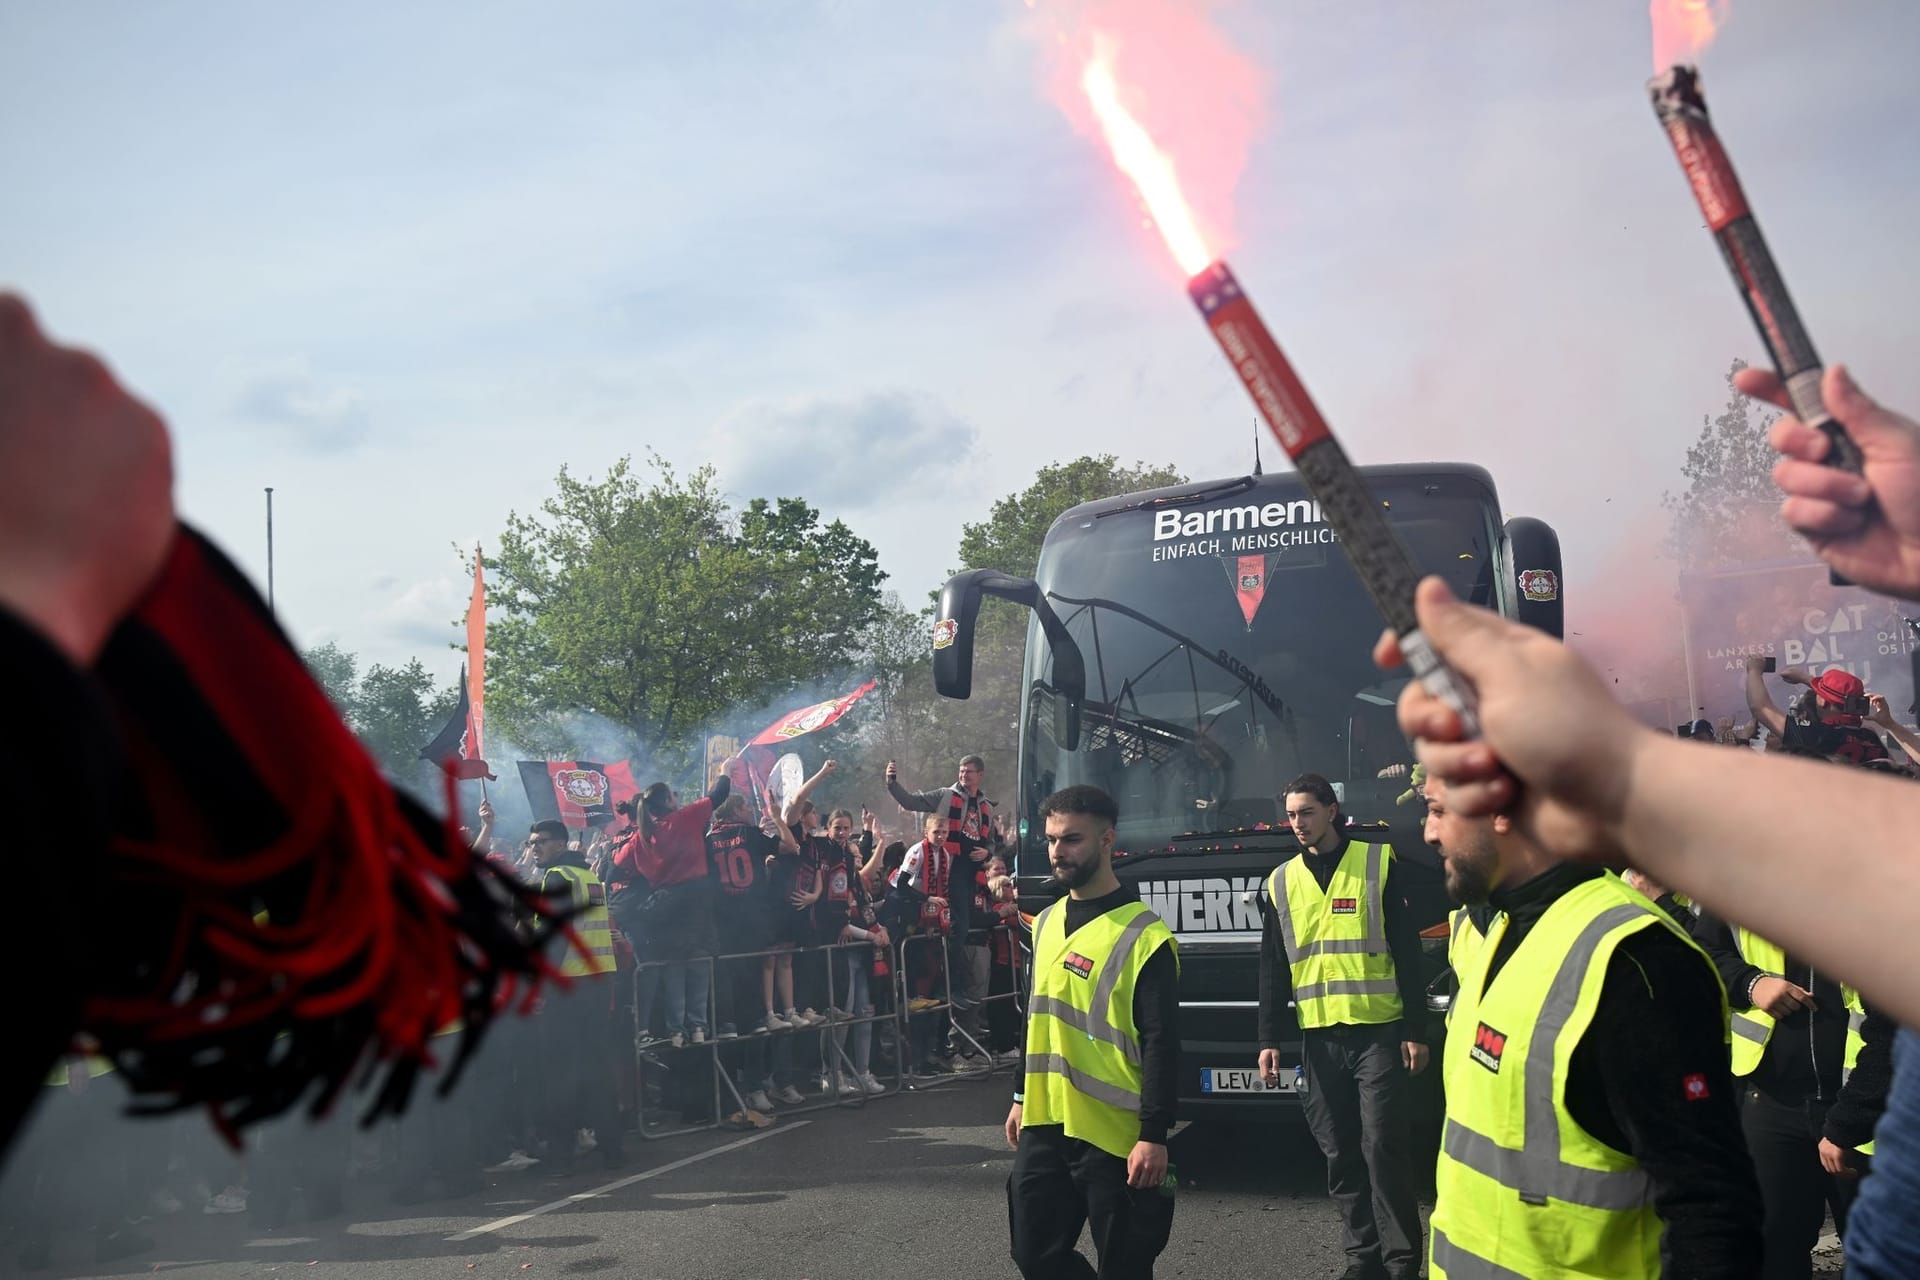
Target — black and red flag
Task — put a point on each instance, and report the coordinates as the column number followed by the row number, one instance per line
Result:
column 456, row 748
column 580, row 793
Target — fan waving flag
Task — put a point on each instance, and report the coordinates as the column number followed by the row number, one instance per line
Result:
column 456, row 748
column 806, row 720
column 758, row 754
column 580, row 793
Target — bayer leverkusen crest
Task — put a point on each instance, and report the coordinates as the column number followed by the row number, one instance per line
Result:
column 584, row 787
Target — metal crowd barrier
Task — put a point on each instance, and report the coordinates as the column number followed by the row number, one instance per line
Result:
column 650, row 1053
column 981, row 1001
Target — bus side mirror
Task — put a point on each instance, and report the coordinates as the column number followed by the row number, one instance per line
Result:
column 953, row 644
column 1533, row 552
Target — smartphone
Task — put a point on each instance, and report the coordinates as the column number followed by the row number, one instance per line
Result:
column 1768, row 666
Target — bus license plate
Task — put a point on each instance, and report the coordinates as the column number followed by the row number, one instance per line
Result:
column 1242, row 1080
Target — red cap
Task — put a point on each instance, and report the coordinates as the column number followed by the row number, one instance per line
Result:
column 1837, row 686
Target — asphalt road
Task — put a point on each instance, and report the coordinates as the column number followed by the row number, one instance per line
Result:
column 911, row 1185
column 907, row 1185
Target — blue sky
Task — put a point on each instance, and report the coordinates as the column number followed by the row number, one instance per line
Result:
column 402, row 262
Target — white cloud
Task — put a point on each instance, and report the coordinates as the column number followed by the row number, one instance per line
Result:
column 845, row 454
column 314, row 416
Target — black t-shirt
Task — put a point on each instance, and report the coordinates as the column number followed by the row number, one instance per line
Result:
column 737, row 855
column 1855, row 744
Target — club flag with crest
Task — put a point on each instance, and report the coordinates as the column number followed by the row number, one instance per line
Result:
column 580, row 793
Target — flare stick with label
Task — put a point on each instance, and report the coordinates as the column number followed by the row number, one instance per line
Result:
column 1346, row 501
column 1682, row 109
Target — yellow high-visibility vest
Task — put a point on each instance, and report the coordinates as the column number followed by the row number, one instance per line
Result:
column 62, row 1076
column 1083, row 1049
column 1464, row 940
column 1522, row 1189
column 588, row 898
column 1336, row 939
column 1856, row 1015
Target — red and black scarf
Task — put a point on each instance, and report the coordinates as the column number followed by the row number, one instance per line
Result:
column 276, row 922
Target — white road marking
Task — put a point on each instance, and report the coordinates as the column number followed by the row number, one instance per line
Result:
column 628, row 1181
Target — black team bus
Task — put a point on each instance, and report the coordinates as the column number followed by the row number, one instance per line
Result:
column 1191, row 650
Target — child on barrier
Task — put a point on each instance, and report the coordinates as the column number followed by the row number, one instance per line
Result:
column 1003, row 910
column 922, row 887
column 741, row 855
column 846, row 915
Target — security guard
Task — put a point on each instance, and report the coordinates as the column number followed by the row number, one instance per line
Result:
column 1089, row 1127
column 1339, row 938
column 1798, row 1037
column 575, row 1024
column 1591, row 1126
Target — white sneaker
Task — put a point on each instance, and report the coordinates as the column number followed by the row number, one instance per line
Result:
column 821, row 1084
column 699, row 1035
column 584, row 1142
column 849, row 1087
column 808, row 1017
column 774, row 1022
column 164, row 1201
column 788, row 1096
column 514, row 1163
column 871, row 1085
column 232, row 1200
column 678, row 1039
column 759, row 1101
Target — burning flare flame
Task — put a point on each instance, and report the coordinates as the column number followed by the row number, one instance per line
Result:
column 1150, row 168
column 1682, row 29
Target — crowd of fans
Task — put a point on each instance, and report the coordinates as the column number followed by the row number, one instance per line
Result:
column 764, row 947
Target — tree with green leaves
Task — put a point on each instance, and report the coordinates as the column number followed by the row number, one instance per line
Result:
column 909, row 722
column 1730, row 509
column 646, row 606
column 395, row 711
column 1009, row 538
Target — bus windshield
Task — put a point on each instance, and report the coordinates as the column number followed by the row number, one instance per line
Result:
column 1228, row 649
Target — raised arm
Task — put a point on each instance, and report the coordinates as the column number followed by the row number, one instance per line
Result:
column 911, row 801
column 796, row 801
column 1883, row 716
column 1760, row 702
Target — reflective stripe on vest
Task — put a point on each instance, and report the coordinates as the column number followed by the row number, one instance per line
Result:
column 1523, row 1190
column 588, row 899
column 1856, row 1018
column 1083, row 1059
column 1341, row 969
column 1753, row 1028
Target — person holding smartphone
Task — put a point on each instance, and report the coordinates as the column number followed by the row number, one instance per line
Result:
column 1831, row 726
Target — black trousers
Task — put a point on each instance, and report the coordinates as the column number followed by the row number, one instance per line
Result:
column 1784, row 1140
column 574, row 1069
column 1355, row 1087
column 1059, row 1185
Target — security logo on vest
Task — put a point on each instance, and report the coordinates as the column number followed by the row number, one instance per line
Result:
column 1344, row 906
column 1078, row 964
column 1488, row 1045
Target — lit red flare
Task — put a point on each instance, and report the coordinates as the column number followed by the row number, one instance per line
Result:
column 1682, row 29
column 1357, row 518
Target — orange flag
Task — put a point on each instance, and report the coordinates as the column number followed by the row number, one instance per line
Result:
column 477, row 657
